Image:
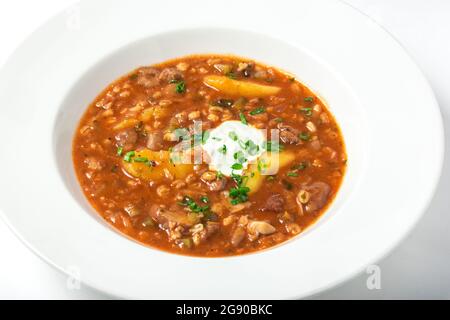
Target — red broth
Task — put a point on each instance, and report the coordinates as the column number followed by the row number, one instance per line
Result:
column 122, row 156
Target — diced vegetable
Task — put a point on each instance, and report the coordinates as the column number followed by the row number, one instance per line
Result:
column 126, row 123
column 239, row 88
column 267, row 164
column 157, row 167
column 180, row 217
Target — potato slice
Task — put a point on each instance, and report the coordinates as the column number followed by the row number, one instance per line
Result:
column 125, row 123
column 163, row 167
column 268, row 165
column 239, row 88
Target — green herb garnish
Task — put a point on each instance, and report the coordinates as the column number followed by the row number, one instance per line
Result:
column 129, row 155
column 301, row 166
column 251, row 147
column 239, row 194
column 243, row 119
column 205, row 136
column 258, row 111
column 180, row 87
column 239, row 156
column 278, row 120
column 201, row 137
column 223, row 149
column 306, row 111
column 237, row 166
column 204, row 199
column 193, row 206
column 308, row 99
column 273, row 146
column 119, row 151
column 292, row 174
column 233, row 136
column 304, row 136
column 141, row 159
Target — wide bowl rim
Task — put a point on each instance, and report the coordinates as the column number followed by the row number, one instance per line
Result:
column 438, row 134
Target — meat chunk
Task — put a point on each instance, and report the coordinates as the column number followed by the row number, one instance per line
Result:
column 148, row 77
column 132, row 210
column 217, row 185
column 211, row 228
column 171, row 218
column 318, row 195
column 257, row 228
column 246, row 68
column 155, row 140
column 274, row 203
column 170, row 74
column 127, row 139
column 204, row 232
column 237, row 236
column 288, row 134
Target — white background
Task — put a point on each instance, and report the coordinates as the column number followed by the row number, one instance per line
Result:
column 418, row 268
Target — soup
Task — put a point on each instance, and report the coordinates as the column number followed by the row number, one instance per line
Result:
column 209, row 155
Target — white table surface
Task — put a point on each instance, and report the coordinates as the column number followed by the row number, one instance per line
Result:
column 419, row 268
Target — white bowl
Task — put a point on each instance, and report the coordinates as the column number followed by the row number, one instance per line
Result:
column 389, row 118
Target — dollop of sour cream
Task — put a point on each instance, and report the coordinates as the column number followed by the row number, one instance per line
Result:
column 232, row 146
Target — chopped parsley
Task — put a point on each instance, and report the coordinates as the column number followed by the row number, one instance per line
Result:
column 141, row 159
column 129, row 155
column 308, row 99
column 243, row 119
column 237, row 166
column 205, row 135
column 180, row 87
column 257, row 111
column 273, row 146
column 292, row 174
column 204, row 199
column 193, row 206
column 239, row 194
column 201, row 137
column 306, row 111
column 301, row 166
column 304, row 136
column 233, row 136
column 223, row 149
column 251, row 148
column 239, row 156
column 238, row 179
column 278, row 120
column 119, row 151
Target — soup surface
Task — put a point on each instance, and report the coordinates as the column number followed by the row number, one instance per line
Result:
column 209, row 155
